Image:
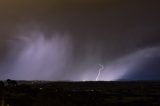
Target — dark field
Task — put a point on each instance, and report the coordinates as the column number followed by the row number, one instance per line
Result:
column 39, row 93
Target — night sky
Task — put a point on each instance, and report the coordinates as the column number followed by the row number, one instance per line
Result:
column 72, row 39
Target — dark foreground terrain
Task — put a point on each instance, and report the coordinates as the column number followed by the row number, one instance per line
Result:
column 39, row 93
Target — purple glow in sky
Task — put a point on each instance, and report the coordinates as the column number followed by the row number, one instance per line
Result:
column 66, row 40
column 36, row 57
column 39, row 58
column 33, row 56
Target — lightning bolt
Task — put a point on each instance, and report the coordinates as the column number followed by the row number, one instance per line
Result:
column 99, row 71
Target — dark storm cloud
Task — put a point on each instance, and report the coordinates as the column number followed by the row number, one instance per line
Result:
column 99, row 32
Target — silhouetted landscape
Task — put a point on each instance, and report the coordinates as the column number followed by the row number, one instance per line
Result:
column 47, row 93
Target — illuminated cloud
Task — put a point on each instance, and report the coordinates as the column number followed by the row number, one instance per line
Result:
column 36, row 57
